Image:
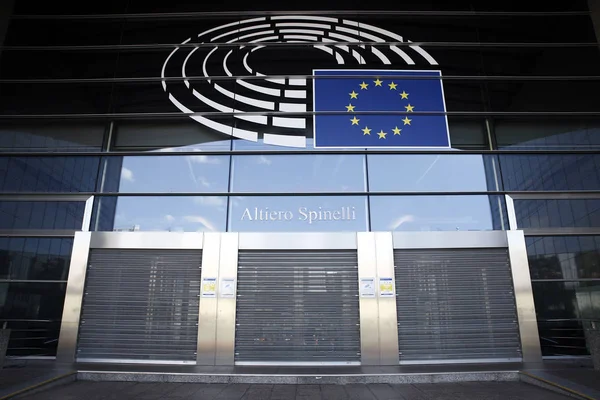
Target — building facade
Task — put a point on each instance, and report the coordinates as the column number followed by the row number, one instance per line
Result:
column 192, row 121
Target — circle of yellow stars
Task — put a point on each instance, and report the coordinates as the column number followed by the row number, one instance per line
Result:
column 366, row 130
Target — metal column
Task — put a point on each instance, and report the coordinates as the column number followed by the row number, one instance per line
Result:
column 227, row 290
column 528, row 328
column 369, row 312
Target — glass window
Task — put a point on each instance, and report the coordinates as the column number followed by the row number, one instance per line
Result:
column 48, row 174
column 35, row 258
column 176, row 135
column 37, row 301
column 575, row 213
column 50, row 136
column 459, row 172
column 566, row 134
column 437, row 213
column 41, row 214
column 299, row 173
column 550, row 172
column 298, row 214
column 33, row 312
column 562, row 338
column 556, row 300
column 464, row 134
column 179, row 214
column 199, row 173
column 564, row 257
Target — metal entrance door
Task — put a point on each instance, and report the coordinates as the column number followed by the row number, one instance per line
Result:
column 297, row 306
column 140, row 302
column 456, row 304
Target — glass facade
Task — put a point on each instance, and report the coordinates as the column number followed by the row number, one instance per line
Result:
column 110, row 120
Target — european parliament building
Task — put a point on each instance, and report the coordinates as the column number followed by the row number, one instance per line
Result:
column 276, row 184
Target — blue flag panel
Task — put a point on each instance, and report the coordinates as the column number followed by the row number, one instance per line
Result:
column 379, row 93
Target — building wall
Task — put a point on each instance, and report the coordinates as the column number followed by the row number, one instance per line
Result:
column 505, row 89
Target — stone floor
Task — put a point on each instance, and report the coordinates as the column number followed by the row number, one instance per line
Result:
column 82, row 390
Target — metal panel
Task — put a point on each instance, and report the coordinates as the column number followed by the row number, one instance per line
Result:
column 207, row 323
column 44, row 197
column 449, row 240
column 455, row 305
column 225, row 345
column 512, row 214
column 147, row 240
column 38, row 232
column 528, row 327
column 297, row 307
column 140, row 304
column 369, row 312
column 553, row 196
column 87, row 214
column 560, row 231
column 297, row 241
column 388, row 321
column 69, row 327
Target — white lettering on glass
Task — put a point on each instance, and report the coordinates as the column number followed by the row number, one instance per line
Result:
column 304, row 214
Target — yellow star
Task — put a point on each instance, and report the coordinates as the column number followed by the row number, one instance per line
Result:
column 355, row 120
column 364, row 86
column 350, row 107
column 353, row 95
column 409, row 108
column 381, row 134
column 396, row 131
column 366, row 131
column 404, row 95
column 392, row 85
column 378, row 82
column 406, row 121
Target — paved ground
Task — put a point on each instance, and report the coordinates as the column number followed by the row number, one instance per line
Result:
column 172, row 391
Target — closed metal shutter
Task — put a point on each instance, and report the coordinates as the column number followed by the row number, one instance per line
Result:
column 455, row 304
column 297, row 307
column 141, row 305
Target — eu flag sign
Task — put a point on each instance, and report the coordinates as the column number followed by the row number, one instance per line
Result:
column 380, row 92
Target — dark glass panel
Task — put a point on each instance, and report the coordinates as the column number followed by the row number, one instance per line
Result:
column 560, row 306
column 564, row 257
column 35, row 258
column 553, row 172
column 33, row 312
column 28, row 215
column 550, row 134
column 171, row 135
column 49, row 174
column 580, row 213
column 33, row 301
column 51, row 136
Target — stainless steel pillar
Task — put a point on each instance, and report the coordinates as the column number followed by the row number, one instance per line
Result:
column 528, row 328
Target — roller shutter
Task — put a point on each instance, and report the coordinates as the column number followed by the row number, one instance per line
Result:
column 140, row 305
column 455, row 304
column 297, row 307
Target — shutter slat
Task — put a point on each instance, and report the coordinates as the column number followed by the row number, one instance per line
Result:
column 141, row 305
column 299, row 306
column 455, row 304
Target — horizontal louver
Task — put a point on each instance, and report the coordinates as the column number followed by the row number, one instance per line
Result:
column 455, row 304
column 297, row 306
column 141, row 305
